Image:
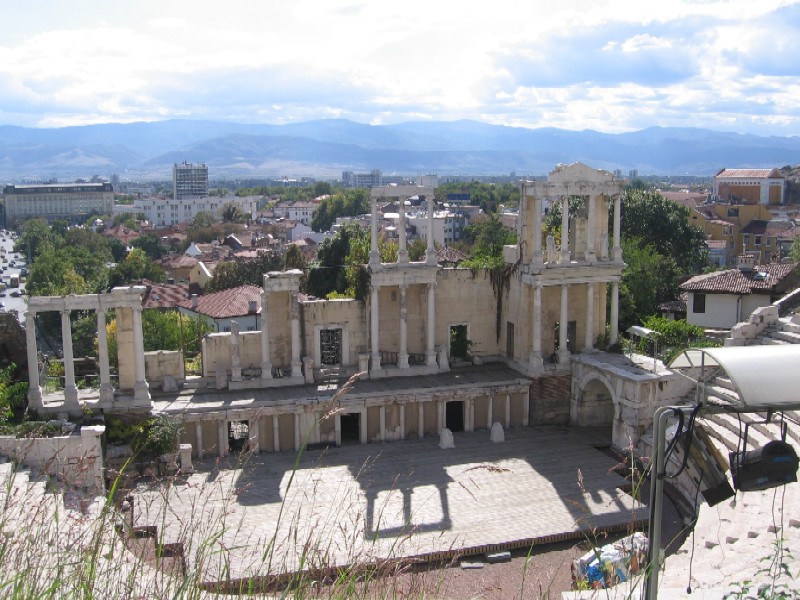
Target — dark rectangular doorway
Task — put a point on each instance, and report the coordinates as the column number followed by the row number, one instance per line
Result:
column 238, row 436
column 454, row 415
column 351, row 428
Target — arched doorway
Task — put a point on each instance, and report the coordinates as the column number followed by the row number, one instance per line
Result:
column 597, row 405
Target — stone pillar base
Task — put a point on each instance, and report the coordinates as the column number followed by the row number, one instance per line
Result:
column 185, row 455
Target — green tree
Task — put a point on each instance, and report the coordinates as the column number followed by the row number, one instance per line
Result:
column 230, row 274
column 486, row 239
column 322, row 188
column 231, row 213
column 329, row 274
column 348, row 203
column 151, row 245
column 648, row 280
column 655, row 221
column 36, row 237
column 68, row 270
column 294, row 258
column 12, row 392
column 674, row 337
column 794, row 252
column 137, row 266
column 416, row 250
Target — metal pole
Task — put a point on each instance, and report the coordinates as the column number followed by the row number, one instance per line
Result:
column 654, row 554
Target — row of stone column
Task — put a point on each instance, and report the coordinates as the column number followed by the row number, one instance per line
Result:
column 141, row 388
column 536, row 358
column 402, row 356
column 565, row 255
column 402, row 251
column 299, row 435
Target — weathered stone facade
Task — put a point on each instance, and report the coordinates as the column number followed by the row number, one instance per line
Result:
column 522, row 329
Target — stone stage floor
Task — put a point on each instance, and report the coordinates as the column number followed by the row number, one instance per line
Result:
column 257, row 515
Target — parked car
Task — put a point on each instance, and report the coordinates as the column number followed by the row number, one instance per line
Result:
column 16, row 294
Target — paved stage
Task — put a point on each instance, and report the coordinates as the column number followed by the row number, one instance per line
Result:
column 374, row 501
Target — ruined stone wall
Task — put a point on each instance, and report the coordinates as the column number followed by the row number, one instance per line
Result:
column 550, row 400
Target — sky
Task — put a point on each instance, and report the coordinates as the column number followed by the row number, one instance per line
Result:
column 606, row 65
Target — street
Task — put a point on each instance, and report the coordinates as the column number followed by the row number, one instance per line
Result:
column 8, row 301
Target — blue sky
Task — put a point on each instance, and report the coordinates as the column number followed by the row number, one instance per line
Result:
column 611, row 65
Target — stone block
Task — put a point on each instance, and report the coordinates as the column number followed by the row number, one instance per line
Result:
column 446, row 439
column 498, row 435
column 498, row 557
column 169, row 384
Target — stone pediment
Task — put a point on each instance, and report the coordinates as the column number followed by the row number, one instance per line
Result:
column 578, row 173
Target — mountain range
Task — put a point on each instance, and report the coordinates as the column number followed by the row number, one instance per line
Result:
column 325, row 148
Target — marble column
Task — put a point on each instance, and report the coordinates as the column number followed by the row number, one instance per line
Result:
column 591, row 251
column 266, row 364
column 374, row 253
column 106, row 389
column 536, row 360
column 141, row 390
column 490, row 412
column 222, row 438
column 526, row 408
column 374, row 333
column 563, row 326
column 565, row 255
column 420, row 420
column 430, row 251
column 254, row 433
column 297, row 364
column 617, row 249
column 236, row 365
column 34, row 386
column 588, row 345
column 508, row 411
column 198, row 439
column 382, row 423
column 70, row 389
column 614, row 333
column 538, row 259
column 402, row 357
column 276, row 433
column 402, row 421
column 402, row 251
column 430, row 348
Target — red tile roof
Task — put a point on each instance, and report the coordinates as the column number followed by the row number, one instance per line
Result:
column 751, row 173
column 734, row 281
column 234, row 302
column 165, row 295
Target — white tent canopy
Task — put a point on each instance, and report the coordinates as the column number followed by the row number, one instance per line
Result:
column 764, row 376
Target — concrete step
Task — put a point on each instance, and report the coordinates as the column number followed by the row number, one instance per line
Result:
column 724, row 393
column 727, row 440
column 786, row 336
column 766, row 340
column 723, row 382
column 793, row 327
column 757, row 435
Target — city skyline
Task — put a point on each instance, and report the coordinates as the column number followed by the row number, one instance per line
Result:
column 619, row 66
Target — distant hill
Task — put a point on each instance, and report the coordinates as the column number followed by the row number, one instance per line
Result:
column 325, row 148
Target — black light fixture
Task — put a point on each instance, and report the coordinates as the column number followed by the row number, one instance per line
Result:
column 774, row 464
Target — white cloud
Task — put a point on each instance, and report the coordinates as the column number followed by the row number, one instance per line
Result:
column 616, row 65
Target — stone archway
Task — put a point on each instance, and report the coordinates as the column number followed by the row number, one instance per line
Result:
column 595, row 404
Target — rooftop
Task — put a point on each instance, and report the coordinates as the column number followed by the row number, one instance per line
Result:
column 234, row 302
column 733, row 281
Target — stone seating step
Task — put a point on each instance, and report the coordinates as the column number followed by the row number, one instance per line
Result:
column 787, row 336
column 723, row 394
column 724, row 382
column 758, row 434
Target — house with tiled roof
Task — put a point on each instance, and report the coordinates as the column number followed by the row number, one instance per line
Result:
column 164, row 295
column 178, row 266
column 721, row 299
column 241, row 304
column 124, row 234
column 770, row 240
column 750, row 186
